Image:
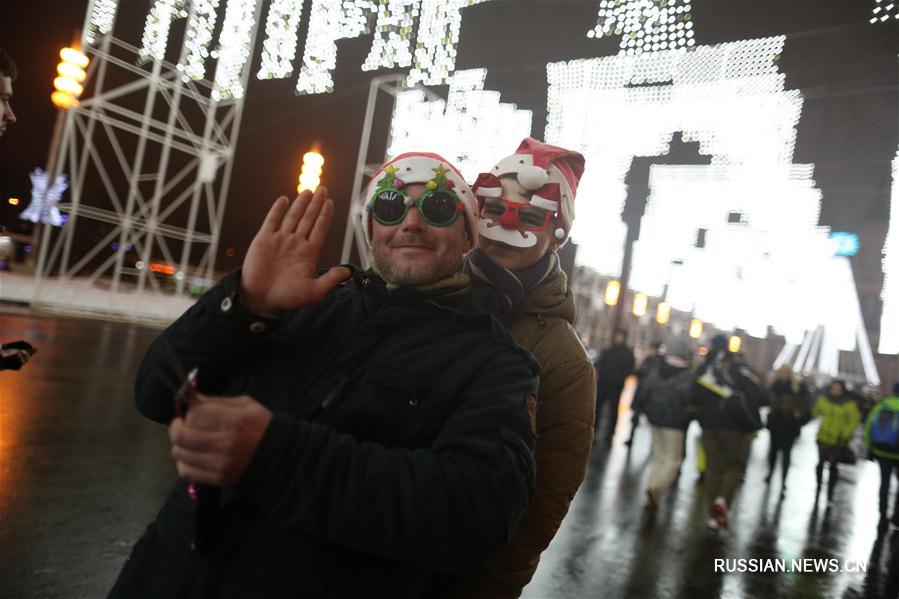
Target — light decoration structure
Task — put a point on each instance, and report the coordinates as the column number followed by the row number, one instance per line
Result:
column 889, row 320
column 156, row 29
column 645, row 25
column 200, row 26
column 435, row 44
column 281, row 32
column 695, row 328
column 392, row 35
column 759, row 211
column 43, row 206
column 101, row 19
column 320, row 54
column 471, row 128
column 235, row 46
column 734, row 343
column 883, row 10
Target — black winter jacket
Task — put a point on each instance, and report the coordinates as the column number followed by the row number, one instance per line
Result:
column 729, row 395
column 665, row 394
column 399, row 453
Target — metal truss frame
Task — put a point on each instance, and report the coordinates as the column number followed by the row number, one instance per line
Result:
column 353, row 234
column 156, row 165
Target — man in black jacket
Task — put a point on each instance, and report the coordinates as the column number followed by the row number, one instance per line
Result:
column 372, row 439
column 615, row 364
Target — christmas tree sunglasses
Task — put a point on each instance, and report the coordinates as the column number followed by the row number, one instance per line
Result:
column 438, row 208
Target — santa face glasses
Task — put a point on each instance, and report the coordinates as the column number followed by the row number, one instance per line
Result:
column 516, row 215
column 438, row 208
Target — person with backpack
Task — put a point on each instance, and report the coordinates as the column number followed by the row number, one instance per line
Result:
column 728, row 396
column 839, row 417
column 647, row 367
column 790, row 410
column 663, row 395
column 882, row 440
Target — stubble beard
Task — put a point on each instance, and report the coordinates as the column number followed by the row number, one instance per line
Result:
column 447, row 263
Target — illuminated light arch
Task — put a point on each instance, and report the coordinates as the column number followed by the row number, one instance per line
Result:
column 764, row 259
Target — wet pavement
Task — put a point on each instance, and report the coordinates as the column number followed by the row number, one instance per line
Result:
column 82, row 473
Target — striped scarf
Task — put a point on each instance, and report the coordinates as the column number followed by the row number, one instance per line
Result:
column 508, row 287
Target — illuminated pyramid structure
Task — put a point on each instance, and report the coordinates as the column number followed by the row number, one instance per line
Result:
column 744, row 230
column 889, row 322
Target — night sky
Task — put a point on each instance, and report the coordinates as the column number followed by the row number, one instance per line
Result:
column 845, row 67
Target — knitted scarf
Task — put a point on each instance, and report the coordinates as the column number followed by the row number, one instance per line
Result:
column 451, row 290
column 509, row 287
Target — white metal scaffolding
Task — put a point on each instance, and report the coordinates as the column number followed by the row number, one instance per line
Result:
column 149, row 155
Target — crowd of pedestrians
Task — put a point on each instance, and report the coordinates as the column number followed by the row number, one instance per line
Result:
column 676, row 386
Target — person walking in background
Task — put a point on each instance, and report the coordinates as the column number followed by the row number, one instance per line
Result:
column 647, row 367
column 839, row 417
column 882, row 440
column 728, row 395
column 616, row 363
column 664, row 395
column 790, row 410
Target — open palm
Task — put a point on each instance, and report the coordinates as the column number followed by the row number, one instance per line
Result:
column 279, row 270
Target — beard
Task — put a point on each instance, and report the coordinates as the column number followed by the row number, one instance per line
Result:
column 448, row 260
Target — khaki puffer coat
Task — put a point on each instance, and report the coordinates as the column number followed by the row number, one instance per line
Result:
column 564, row 424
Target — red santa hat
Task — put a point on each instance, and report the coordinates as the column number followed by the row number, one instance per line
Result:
column 427, row 168
column 551, row 173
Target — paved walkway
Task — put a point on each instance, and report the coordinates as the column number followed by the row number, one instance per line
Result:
column 81, row 474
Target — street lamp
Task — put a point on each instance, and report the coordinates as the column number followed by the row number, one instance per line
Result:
column 71, row 74
column 641, row 301
column 311, row 171
column 663, row 313
column 613, row 290
column 695, row 328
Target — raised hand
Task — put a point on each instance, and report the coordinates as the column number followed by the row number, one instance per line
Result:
column 279, row 270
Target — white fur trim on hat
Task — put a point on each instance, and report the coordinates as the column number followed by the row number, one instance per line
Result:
column 539, row 202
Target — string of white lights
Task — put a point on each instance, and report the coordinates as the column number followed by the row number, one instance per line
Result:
column 646, row 25
column 472, row 128
column 234, row 48
column 889, row 321
column 320, row 54
column 281, row 33
column 392, row 35
column 102, row 17
column 436, row 41
column 156, row 29
column 355, row 17
column 883, row 10
column 199, row 35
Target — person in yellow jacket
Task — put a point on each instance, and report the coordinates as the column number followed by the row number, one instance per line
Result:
column 839, row 418
column 526, row 211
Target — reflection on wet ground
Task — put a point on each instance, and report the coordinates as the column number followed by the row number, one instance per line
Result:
column 82, row 473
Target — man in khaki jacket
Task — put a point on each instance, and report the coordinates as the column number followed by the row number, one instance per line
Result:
column 526, row 212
